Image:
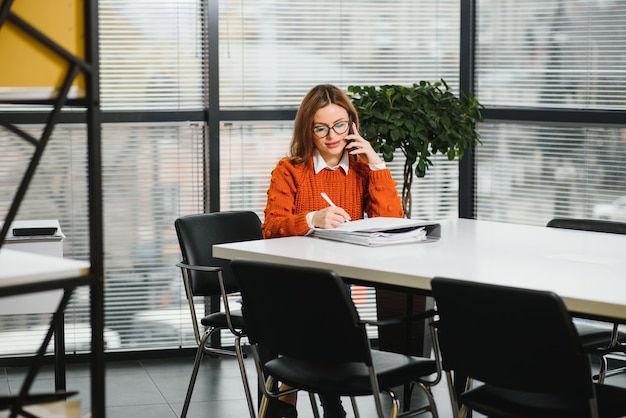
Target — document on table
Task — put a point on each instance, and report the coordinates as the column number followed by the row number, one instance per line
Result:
column 379, row 231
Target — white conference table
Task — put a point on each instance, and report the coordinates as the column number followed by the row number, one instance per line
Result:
column 586, row 269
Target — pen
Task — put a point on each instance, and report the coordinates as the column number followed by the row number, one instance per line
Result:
column 327, row 199
column 330, row 202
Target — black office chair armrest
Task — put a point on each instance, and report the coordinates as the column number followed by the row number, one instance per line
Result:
column 397, row 321
column 209, row 269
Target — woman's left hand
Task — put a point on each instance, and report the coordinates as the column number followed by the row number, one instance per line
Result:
column 358, row 146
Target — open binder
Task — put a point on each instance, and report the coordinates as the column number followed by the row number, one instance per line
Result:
column 374, row 232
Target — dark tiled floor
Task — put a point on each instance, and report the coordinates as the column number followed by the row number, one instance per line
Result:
column 156, row 388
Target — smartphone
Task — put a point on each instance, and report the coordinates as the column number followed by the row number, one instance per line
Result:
column 351, row 131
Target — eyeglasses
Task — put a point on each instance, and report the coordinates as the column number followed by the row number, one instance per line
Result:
column 323, row 131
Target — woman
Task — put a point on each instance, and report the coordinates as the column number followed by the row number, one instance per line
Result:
column 327, row 156
column 320, row 162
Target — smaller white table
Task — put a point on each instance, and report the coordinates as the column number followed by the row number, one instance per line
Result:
column 19, row 269
column 40, row 302
column 26, row 273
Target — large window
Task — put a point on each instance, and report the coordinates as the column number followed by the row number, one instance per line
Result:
column 539, row 66
column 568, row 60
column 272, row 52
column 152, row 54
column 151, row 174
column 531, row 174
column 154, row 68
column 552, row 53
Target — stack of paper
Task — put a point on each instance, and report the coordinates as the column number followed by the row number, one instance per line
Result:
column 381, row 231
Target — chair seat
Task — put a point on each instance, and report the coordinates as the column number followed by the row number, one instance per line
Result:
column 350, row 379
column 594, row 335
column 218, row 320
column 611, row 403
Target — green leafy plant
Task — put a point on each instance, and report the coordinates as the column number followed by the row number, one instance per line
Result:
column 421, row 120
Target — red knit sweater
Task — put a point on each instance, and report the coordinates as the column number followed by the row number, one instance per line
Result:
column 295, row 191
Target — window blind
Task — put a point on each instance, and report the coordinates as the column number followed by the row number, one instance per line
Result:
column 151, row 175
column 532, row 173
column 272, row 52
column 57, row 191
column 152, row 54
column 245, row 176
column 551, row 53
column 557, row 55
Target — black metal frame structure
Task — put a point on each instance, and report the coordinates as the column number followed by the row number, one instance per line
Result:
column 95, row 279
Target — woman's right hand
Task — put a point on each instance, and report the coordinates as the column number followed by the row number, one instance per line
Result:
column 330, row 217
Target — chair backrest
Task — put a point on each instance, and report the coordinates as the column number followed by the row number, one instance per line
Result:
column 593, row 225
column 509, row 337
column 304, row 313
column 198, row 233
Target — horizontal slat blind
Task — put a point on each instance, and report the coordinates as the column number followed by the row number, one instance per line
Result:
column 151, row 175
column 559, row 55
column 272, row 52
column 151, row 54
column 244, row 179
column 551, row 53
column 57, row 191
column 531, row 174
column 435, row 196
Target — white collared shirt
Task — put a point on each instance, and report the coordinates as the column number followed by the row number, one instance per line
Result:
column 319, row 163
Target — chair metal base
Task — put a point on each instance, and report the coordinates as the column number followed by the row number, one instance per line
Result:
column 204, row 349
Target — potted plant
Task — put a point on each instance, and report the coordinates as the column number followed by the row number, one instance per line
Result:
column 421, row 120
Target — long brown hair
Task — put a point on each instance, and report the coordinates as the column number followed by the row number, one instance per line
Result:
column 320, row 96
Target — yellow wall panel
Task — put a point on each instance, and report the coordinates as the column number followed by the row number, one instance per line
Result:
column 30, row 70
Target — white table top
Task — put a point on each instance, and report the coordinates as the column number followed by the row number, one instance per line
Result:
column 22, row 268
column 587, row 269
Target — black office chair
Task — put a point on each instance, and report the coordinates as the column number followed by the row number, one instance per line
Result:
column 604, row 338
column 307, row 317
column 521, row 350
column 204, row 275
